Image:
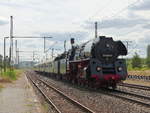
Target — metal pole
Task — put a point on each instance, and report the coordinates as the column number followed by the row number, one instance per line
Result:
column 44, row 44
column 12, row 51
column 52, row 52
column 11, row 39
column 9, row 55
column 65, row 45
column 16, row 50
column 4, row 54
column 127, row 45
column 95, row 29
column 18, row 56
column 33, row 56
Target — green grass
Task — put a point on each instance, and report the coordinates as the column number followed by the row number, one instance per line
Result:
column 11, row 75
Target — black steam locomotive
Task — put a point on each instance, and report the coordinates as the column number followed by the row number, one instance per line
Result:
column 94, row 63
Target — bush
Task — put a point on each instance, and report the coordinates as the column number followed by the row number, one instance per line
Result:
column 148, row 62
column 136, row 61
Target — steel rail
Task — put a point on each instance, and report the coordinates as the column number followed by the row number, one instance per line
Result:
column 135, row 86
column 45, row 96
column 131, row 100
column 128, row 98
column 88, row 110
column 133, row 94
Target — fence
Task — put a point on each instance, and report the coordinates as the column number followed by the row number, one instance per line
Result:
column 139, row 77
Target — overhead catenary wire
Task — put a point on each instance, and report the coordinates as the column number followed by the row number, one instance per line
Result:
column 115, row 14
column 100, row 11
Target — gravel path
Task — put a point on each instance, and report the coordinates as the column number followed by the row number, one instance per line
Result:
column 18, row 97
column 98, row 101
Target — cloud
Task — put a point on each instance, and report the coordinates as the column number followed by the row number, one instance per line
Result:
column 52, row 18
column 131, row 20
column 117, row 23
column 62, row 36
column 146, row 26
column 145, row 40
column 139, row 45
column 3, row 22
column 143, row 5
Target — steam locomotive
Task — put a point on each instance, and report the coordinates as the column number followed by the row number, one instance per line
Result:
column 94, row 63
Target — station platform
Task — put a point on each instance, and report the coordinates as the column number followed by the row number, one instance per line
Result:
column 19, row 97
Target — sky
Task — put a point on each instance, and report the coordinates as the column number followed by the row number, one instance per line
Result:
column 125, row 20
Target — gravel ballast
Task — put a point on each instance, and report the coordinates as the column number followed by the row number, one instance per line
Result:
column 97, row 101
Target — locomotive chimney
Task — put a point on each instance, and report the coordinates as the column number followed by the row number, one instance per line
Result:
column 95, row 29
column 72, row 41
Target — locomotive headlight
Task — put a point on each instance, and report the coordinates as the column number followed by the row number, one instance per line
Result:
column 98, row 69
column 120, row 68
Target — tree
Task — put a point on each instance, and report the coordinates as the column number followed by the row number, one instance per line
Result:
column 148, row 51
column 148, row 61
column 136, row 61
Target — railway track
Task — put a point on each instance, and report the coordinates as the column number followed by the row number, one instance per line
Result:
column 128, row 96
column 58, row 97
column 44, row 95
column 135, row 86
column 132, row 97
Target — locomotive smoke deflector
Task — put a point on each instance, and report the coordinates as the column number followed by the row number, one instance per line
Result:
column 122, row 50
